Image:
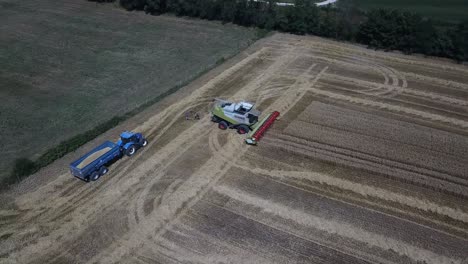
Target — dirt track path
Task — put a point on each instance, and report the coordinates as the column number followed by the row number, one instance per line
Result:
column 367, row 164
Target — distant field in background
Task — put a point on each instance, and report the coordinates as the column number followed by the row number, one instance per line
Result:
column 68, row 66
column 448, row 11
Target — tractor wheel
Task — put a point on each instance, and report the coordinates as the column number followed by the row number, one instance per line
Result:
column 243, row 129
column 95, row 176
column 144, row 143
column 130, row 151
column 103, row 170
column 223, row 125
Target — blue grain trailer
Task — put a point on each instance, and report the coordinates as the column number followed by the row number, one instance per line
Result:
column 94, row 164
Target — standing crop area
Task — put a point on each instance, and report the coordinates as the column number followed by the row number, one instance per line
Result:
column 367, row 164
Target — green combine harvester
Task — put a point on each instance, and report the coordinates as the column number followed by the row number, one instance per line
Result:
column 243, row 117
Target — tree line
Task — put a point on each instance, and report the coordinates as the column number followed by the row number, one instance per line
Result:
column 379, row 28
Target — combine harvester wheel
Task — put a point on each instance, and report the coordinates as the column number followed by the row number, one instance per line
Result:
column 223, row 125
column 256, row 134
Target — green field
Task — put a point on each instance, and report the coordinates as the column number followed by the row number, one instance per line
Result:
column 447, row 11
column 68, row 66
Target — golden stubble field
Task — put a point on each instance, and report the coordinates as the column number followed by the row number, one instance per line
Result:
column 367, row 164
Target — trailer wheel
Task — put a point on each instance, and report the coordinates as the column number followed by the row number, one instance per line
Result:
column 215, row 119
column 223, row 125
column 130, row 151
column 95, row 176
column 103, row 170
column 243, row 129
column 144, row 143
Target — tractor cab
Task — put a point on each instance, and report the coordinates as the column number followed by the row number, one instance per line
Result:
column 128, row 138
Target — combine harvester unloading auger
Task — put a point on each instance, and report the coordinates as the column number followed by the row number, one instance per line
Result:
column 243, row 117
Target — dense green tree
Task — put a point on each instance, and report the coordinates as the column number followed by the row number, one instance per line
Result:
column 267, row 18
column 133, row 4
column 210, row 9
column 241, row 13
column 427, row 38
column 155, row 7
column 328, row 23
column 379, row 28
column 349, row 17
column 391, row 30
column 460, row 41
column 312, row 18
column 177, row 7
column 297, row 19
column 443, row 46
column 228, row 10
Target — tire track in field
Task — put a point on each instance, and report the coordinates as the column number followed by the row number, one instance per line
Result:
column 375, row 86
column 339, row 228
column 64, row 207
column 282, row 251
column 289, row 96
column 295, row 93
column 132, row 183
column 189, row 192
column 376, row 89
column 345, row 255
column 385, row 89
column 346, row 49
column 155, row 167
column 437, row 164
column 219, row 251
column 361, row 189
column 409, row 103
column 437, row 97
column 390, row 107
column 148, row 227
column 442, row 82
column 80, row 195
column 84, row 196
column 399, row 171
column 235, row 148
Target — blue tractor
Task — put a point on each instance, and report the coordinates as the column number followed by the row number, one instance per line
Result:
column 95, row 163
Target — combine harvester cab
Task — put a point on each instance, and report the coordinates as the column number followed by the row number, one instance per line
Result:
column 243, row 117
column 93, row 164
